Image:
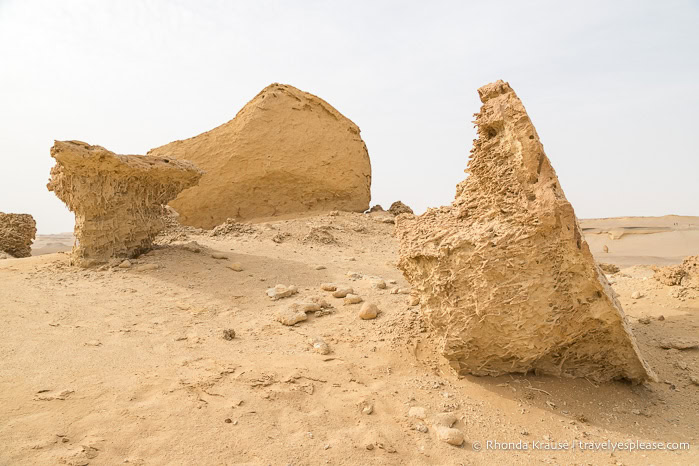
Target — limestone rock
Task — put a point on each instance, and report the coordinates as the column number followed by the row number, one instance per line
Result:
column 285, row 152
column 17, row 232
column 450, row 435
column 398, row 208
column 505, row 276
column 282, row 291
column 343, row 291
column 352, row 299
column 117, row 199
column 291, row 317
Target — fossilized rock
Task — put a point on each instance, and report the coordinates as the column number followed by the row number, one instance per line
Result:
column 117, row 199
column 504, row 274
column 285, row 152
column 17, row 232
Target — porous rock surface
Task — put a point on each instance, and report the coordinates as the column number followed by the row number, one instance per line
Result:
column 118, row 200
column 285, row 152
column 505, row 276
column 17, row 232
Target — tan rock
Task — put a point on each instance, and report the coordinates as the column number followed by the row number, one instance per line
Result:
column 291, row 317
column 328, row 286
column 504, row 274
column 341, row 292
column 398, row 208
column 450, row 435
column 285, row 152
column 17, row 232
column 352, row 299
column 368, row 311
column 117, row 199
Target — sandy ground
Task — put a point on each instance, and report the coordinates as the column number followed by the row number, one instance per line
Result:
column 112, row 366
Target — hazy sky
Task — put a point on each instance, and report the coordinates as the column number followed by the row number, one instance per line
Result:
column 612, row 87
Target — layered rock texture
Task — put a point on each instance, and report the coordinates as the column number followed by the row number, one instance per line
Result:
column 17, row 232
column 118, row 200
column 504, row 274
column 285, row 152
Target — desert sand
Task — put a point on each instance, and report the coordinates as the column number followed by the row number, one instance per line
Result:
column 138, row 365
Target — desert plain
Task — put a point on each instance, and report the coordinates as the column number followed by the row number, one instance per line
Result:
column 138, row 365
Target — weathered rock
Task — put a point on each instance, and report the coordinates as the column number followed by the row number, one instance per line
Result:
column 504, row 274
column 368, row 311
column 678, row 344
column 608, row 268
column 125, row 264
column 378, row 284
column 282, row 291
column 450, row 435
column 117, row 199
column 686, row 273
column 219, row 255
column 235, row 266
column 291, row 317
column 636, row 295
column 328, row 286
column 352, row 299
column 376, row 208
column 319, row 345
column 341, row 292
column 398, row 208
column 17, row 232
column 417, row 412
column 320, row 235
column 285, row 152
column 228, row 334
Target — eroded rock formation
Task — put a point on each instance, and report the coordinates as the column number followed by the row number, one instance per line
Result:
column 398, row 208
column 504, row 274
column 17, row 232
column 117, row 199
column 285, row 152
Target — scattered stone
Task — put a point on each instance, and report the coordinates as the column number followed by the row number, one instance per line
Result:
column 636, row 295
column 510, row 218
column 368, row 311
column 280, row 237
column 366, row 407
column 125, row 264
column 231, row 227
column 605, row 248
column 378, row 284
column 398, row 208
column 449, row 435
column 644, row 320
column 352, row 299
column 694, row 379
column 17, row 232
column 219, row 255
column 354, row 275
column 414, row 301
column 369, row 446
column 320, row 267
column 291, row 317
column 388, row 220
column 421, row 428
column 228, row 420
column 342, row 292
column 400, row 291
column 376, row 208
column 319, row 345
column 228, row 334
column 661, row 317
column 236, row 267
column 281, row 291
column 124, row 219
column 417, row 412
column 328, row 287
column 679, row 344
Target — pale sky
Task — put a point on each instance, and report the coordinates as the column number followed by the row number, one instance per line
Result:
column 611, row 86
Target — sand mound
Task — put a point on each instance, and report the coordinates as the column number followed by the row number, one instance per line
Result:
column 117, row 199
column 504, row 274
column 17, row 231
column 286, row 151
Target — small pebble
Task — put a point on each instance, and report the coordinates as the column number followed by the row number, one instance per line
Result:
column 417, row 412
column 228, row 334
column 281, row 291
column 291, row 317
column 219, row 255
column 636, row 295
column 451, row 436
column 125, row 265
column 328, row 287
column 320, row 267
